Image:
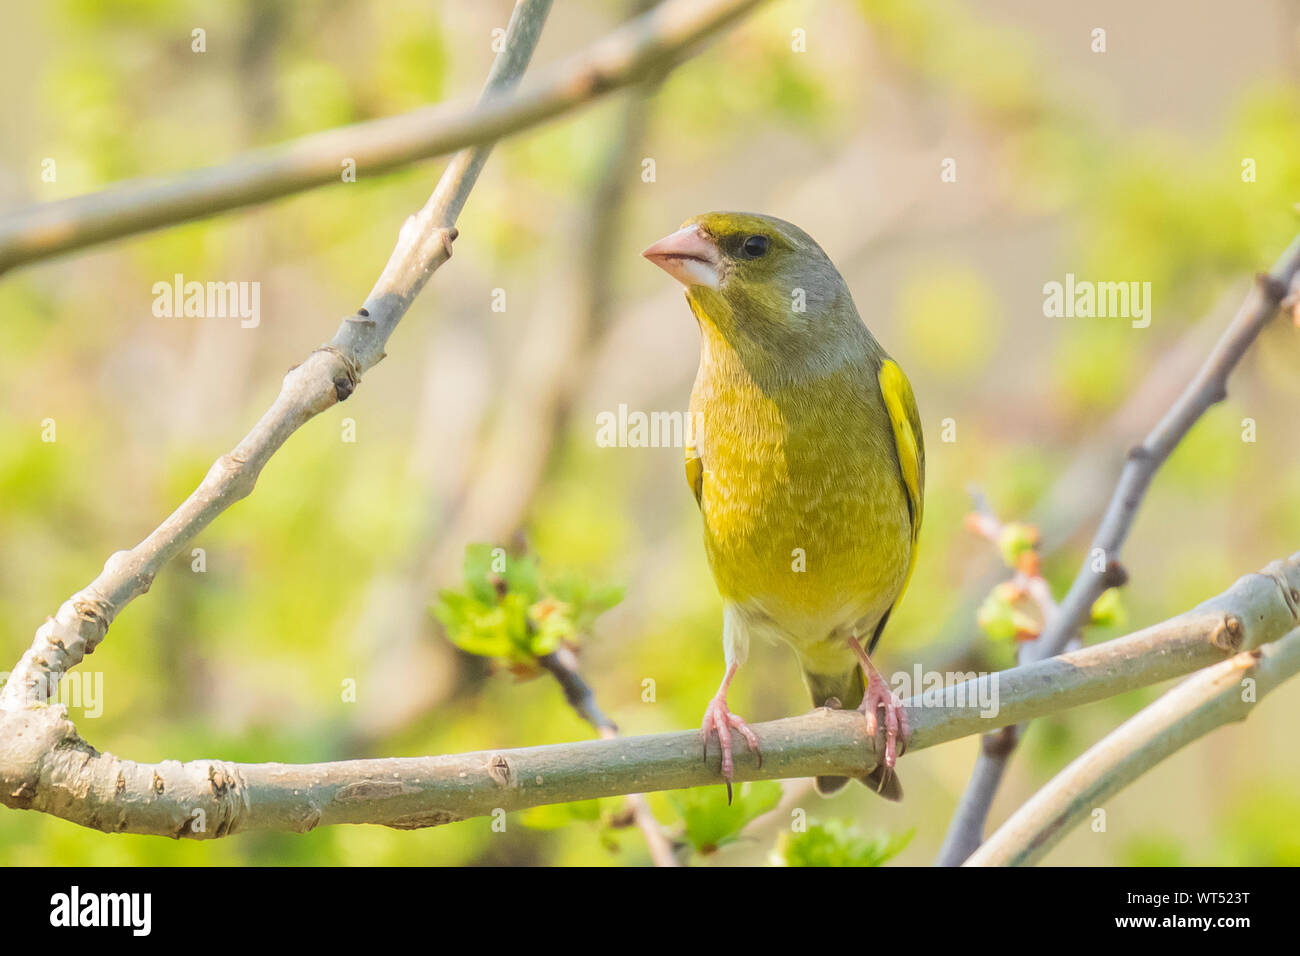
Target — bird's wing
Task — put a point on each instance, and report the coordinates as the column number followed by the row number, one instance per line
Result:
column 694, row 472
column 909, row 444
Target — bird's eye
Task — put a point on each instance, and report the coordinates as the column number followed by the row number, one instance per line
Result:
column 754, row 247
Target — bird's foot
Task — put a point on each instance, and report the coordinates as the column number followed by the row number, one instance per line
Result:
column 718, row 719
column 880, row 698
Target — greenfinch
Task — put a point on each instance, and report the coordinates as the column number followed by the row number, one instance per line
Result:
column 808, row 465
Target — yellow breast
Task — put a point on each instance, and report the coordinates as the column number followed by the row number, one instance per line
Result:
column 805, row 518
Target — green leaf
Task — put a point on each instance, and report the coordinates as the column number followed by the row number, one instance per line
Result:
column 487, row 566
column 472, row 627
column 710, row 823
column 512, row 614
column 452, row 610
column 552, row 624
column 586, row 599
column 996, row 618
column 1108, row 610
column 838, row 843
column 1014, row 540
column 1001, row 620
column 521, row 576
column 478, row 572
column 505, row 613
column 498, row 630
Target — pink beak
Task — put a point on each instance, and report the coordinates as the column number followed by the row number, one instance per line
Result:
column 688, row 257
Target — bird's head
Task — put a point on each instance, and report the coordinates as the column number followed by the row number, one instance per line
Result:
column 763, row 284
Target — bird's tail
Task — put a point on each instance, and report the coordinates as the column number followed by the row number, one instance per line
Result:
column 846, row 692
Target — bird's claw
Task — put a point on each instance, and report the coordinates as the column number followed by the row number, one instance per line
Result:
column 879, row 697
column 718, row 719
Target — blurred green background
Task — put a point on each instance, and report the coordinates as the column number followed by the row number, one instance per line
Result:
column 480, row 426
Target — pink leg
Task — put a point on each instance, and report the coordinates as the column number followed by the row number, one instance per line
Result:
column 879, row 696
column 718, row 719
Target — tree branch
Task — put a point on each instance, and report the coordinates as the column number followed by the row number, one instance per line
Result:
column 1077, row 494
column 1195, row 707
column 46, row 766
column 328, row 376
column 632, row 53
column 486, row 491
column 563, row 666
column 1208, row 387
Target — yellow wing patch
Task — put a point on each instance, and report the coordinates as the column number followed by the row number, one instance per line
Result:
column 694, row 472
column 906, row 421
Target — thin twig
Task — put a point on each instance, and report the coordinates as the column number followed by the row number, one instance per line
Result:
column 563, row 666
column 628, row 55
column 1202, row 703
column 1027, row 575
column 1101, row 565
column 46, row 766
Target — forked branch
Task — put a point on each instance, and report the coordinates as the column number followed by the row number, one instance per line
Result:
column 635, row 52
column 1226, row 692
column 1101, row 566
column 45, row 766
